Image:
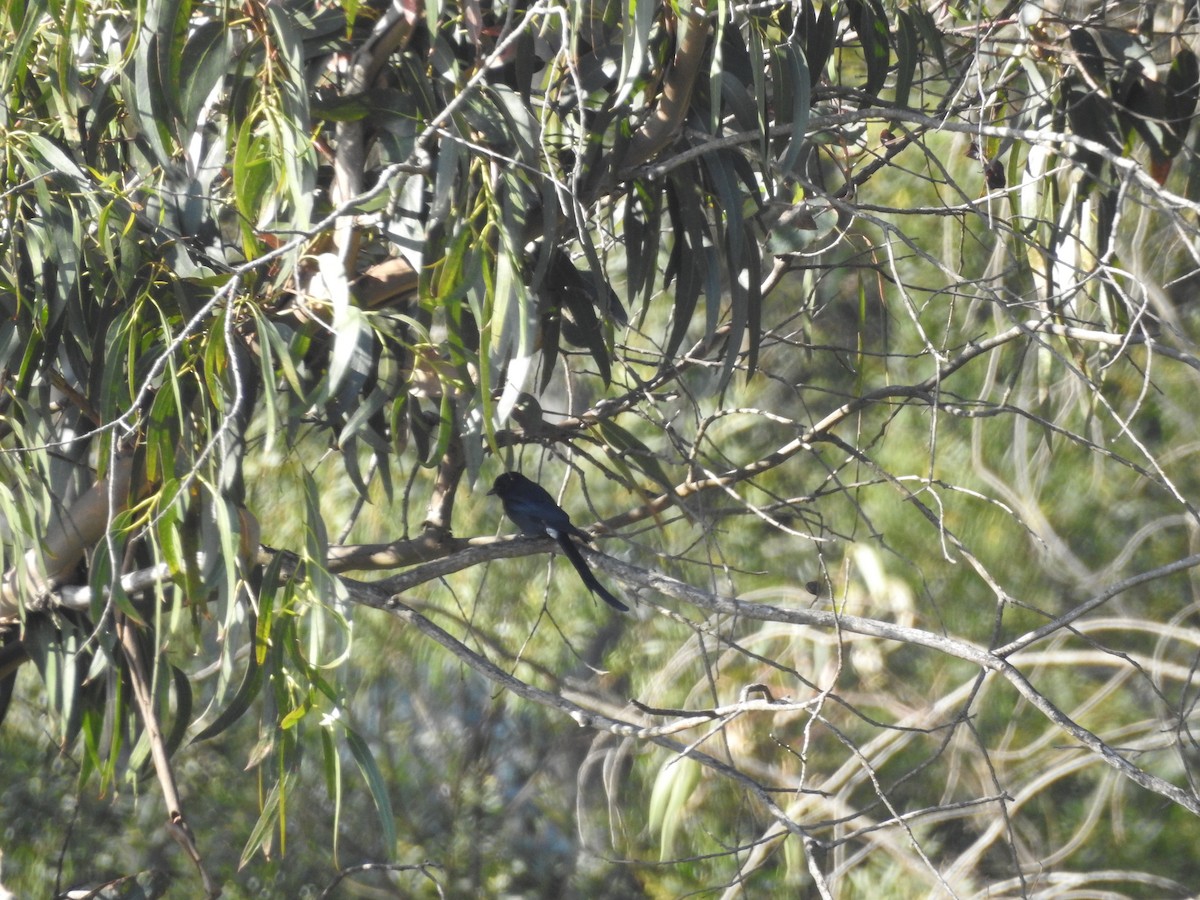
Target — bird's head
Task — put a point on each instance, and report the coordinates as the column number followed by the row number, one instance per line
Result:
column 505, row 484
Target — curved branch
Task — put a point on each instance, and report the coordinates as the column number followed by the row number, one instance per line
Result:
column 391, row 32
column 177, row 824
column 67, row 538
column 661, row 129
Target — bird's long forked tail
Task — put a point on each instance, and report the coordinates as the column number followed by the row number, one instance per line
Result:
column 585, row 573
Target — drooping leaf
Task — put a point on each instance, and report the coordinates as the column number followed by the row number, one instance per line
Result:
column 566, row 289
column 248, row 691
column 183, row 707
column 676, row 782
column 692, row 250
column 870, row 21
column 375, row 783
column 907, row 57
column 260, row 835
column 203, row 67
column 820, row 36
column 931, row 35
column 635, row 47
column 1182, row 94
column 794, row 73
column 741, row 262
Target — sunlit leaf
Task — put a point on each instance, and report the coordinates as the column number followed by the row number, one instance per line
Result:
column 673, row 788
column 268, row 818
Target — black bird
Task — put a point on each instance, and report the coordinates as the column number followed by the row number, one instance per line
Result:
column 535, row 513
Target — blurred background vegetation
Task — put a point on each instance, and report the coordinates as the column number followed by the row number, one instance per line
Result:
column 862, row 335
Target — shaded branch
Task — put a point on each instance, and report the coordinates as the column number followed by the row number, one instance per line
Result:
column 177, row 824
column 70, row 534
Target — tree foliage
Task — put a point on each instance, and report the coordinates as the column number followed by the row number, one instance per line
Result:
column 863, row 330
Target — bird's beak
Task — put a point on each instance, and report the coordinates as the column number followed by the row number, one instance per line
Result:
column 492, row 492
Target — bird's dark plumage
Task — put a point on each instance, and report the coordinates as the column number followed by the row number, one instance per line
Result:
column 534, row 511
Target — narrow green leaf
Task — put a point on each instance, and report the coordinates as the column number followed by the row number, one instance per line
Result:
column 277, row 349
column 742, row 264
column 931, row 35
column 270, row 814
column 149, row 101
column 57, row 160
column 690, row 253
column 183, row 708
column 628, row 448
column 1182, row 93
column 514, row 314
column 907, row 58
column 15, row 63
column 294, row 717
column 870, row 21
column 820, row 41
column 341, row 108
column 677, row 780
column 796, row 75
column 635, row 43
column 521, row 125
column 352, row 342
column 375, row 782
column 170, row 520
column 642, row 220
column 203, row 65
column 566, row 288
column 252, row 682
column 292, row 150
column 333, row 783
column 161, row 435
column 252, row 173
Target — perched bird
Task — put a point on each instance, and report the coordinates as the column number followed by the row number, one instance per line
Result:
column 534, row 511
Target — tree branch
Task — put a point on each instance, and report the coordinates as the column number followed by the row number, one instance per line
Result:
column 177, row 824
column 661, row 129
column 68, row 537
